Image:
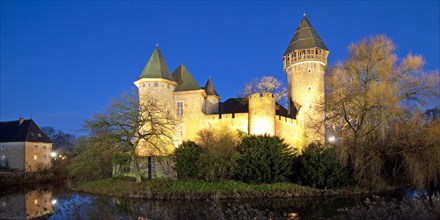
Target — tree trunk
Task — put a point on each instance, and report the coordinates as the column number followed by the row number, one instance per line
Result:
column 137, row 171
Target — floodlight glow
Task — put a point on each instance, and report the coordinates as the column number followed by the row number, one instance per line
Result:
column 331, row 138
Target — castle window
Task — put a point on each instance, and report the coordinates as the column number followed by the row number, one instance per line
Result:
column 179, row 108
column 35, row 157
column 35, row 148
column 310, row 88
column 44, row 157
column 3, row 156
column 309, row 70
column 156, row 84
column 44, row 147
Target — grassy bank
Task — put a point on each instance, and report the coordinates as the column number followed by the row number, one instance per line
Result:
column 196, row 189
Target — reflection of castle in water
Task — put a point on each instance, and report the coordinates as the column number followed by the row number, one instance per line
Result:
column 32, row 204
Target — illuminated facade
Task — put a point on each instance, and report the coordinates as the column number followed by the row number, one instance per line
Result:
column 199, row 107
column 24, row 146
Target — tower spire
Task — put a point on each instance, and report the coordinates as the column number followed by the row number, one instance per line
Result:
column 305, row 37
column 156, row 67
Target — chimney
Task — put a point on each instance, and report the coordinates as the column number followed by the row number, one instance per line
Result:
column 21, row 121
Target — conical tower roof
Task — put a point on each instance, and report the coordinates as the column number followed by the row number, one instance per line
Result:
column 156, row 67
column 305, row 37
column 184, row 79
column 209, row 88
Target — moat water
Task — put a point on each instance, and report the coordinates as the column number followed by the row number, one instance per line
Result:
column 50, row 201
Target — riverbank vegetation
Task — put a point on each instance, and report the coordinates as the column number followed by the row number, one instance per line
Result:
column 199, row 189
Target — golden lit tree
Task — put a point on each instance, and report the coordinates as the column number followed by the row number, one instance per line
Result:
column 369, row 90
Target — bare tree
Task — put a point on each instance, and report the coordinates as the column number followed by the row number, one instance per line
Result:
column 266, row 84
column 367, row 92
column 137, row 127
column 62, row 142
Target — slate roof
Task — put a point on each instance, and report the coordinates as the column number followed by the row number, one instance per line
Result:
column 241, row 105
column 156, row 67
column 28, row 130
column 209, row 88
column 184, row 79
column 305, row 37
column 234, row 105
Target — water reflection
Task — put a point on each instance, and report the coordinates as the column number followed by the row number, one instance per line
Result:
column 97, row 207
column 58, row 203
column 29, row 205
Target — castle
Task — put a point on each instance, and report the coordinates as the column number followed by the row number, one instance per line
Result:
column 196, row 108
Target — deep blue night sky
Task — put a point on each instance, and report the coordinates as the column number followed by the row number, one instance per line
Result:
column 61, row 62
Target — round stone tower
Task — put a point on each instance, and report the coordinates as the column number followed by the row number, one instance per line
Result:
column 305, row 62
column 157, row 84
column 156, row 81
column 262, row 114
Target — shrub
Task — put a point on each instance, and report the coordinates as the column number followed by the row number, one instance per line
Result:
column 263, row 159
column 186, row 159
column 121, row 163
column 95, row 158
column 317, row 167
column 219, row 156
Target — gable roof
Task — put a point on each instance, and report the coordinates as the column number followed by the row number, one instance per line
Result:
column 184, row 79
column 156, row 67
column 209, row 88
column 27, row 130
column 305, row 37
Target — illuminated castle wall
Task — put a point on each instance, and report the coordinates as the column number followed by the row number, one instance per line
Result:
column 197, row 108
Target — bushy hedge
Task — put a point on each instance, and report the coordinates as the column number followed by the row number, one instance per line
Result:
column 186, row 159
column 263, row 159
column 219, row 157
column 317, row 167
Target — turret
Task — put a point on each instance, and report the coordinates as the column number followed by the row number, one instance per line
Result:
column 261, row 114
column 305, row 61
column 156, row 80
column 212, row 99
